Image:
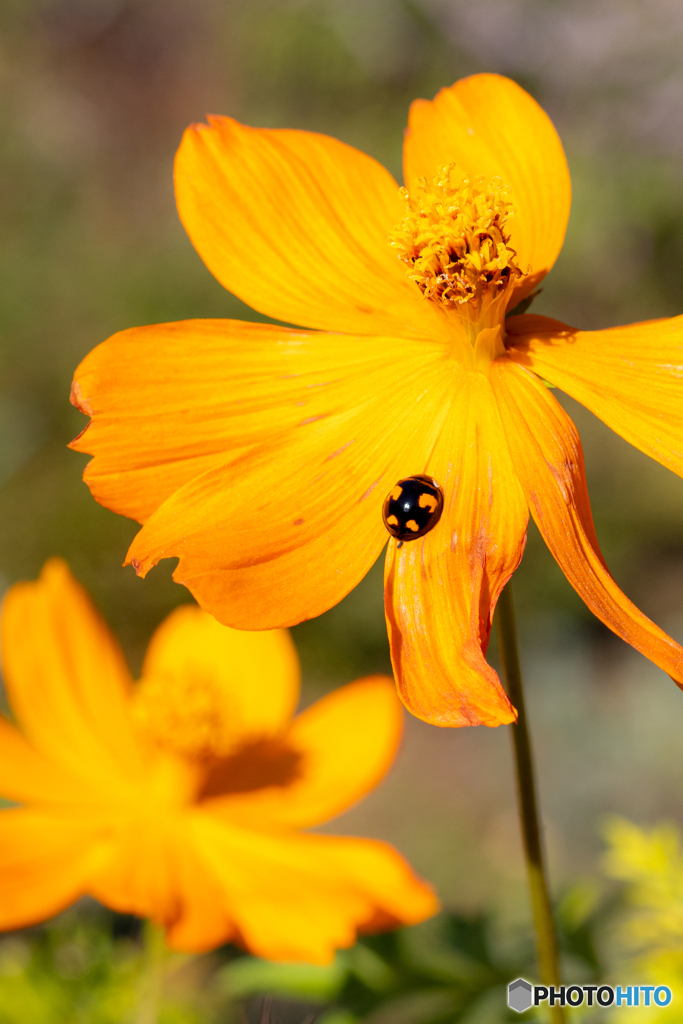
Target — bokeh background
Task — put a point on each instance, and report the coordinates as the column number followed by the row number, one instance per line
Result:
column 95, row 96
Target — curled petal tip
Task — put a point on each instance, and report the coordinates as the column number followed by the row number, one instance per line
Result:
column 140, row 568
column 76, row 398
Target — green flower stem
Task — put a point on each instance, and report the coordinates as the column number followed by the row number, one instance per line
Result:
column 152, row 975
column 546, row 941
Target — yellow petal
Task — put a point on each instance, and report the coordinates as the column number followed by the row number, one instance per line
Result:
column 347, row 742
column 153, row 870
column 282, row 895
column 297, row 225
column 547, row 454
column 67, row 681
column 257, row 673
column 138, row 876
column 301, row 897
column 170, row 401
column 204, row 921
column 490, row 126
column 628, row 376
column 441, row 590
column 26, row 775
column 292, row 527
column 45, row 864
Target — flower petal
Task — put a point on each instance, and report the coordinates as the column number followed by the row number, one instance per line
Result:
column 45, row 864
column 258, row 673
column 171, row 401
column 348, row 741
column 67, row 681
column 548, row 458
column 153, row 870
column 297, row 225
column 489, row 125
column 301, row 897
column 441, row 590
column 290, row 528
column 159, row 407
column 631, row 377
column 204, row 920
column 26, row 775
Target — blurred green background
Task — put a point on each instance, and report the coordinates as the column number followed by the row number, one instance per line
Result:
column 96, row 94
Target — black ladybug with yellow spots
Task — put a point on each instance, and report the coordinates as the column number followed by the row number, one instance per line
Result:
column 413, row 507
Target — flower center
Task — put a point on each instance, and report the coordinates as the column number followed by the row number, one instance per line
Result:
column 259, row 764
column 186, row 715
column 454, row 239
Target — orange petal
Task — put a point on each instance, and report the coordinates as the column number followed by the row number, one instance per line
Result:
column 67, row 681
column 489, row 125
column 45, row 864
column 297, row 225
column 301, row 897
column 26, row 775
column 628, row 376
column 548, row 458
column 258, row 673
column 289, row 529
column 204, row 921
column 440, row 591
column 139, row 876
column 348, row 741
column 171, row 401
column 158, row 401
column 154, row 871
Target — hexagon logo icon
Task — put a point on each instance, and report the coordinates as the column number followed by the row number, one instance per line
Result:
column 519, row 995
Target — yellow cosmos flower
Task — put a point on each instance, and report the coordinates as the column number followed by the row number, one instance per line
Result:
column 260, row 456
column 181, row 799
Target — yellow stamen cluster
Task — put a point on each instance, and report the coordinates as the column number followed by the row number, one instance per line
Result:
column 454, row 237
column 185, row 715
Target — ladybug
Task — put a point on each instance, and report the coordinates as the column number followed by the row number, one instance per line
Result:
column 412, row 508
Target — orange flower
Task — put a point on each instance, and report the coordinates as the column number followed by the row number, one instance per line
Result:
column 181, row 800
column 260, row 456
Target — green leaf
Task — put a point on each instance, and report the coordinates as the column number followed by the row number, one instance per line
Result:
column 249, row 976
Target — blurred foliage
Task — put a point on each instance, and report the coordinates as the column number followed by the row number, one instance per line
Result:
column 74, row 971
column 647, row 936
column 88, row 968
